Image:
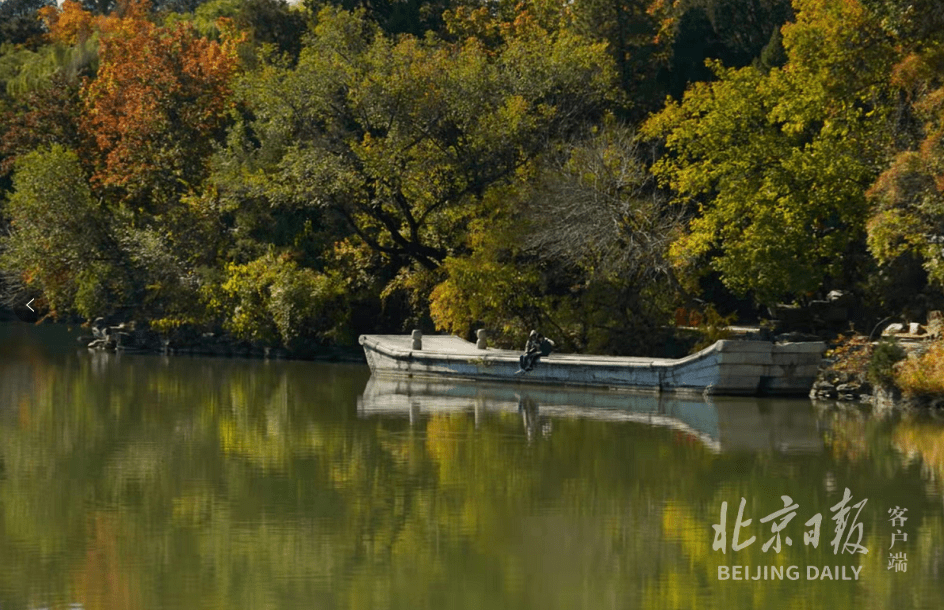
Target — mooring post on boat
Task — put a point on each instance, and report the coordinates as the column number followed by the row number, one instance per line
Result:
column 482, row 336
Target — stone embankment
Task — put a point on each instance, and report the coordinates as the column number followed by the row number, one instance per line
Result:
column 844, row 374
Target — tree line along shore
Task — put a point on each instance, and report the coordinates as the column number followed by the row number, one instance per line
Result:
column 288, row 177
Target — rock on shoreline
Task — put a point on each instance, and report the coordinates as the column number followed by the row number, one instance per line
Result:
column 844, row 372
column 130, row 337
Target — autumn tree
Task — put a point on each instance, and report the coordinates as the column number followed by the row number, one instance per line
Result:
column 145, row 123
column 155, row 108
column 46, row 116
column 908, row 197
column 385, row 150
column 68, row 55
column 71, row 23
column 272, row 300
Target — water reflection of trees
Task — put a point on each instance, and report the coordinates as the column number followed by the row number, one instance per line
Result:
column 211, row 483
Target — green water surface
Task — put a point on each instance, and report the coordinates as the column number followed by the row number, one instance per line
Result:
column 190, row 483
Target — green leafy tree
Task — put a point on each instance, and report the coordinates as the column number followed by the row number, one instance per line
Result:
column 24, row 71
column 273, row 300
column 395, row 17
column 400, row 141
column 493, row 285
column 415, row 132
column 266, row 22
column 59, row 243
column 776, row 164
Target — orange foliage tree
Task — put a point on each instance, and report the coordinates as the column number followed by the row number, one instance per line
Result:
column 908, row 197
column 157, row 105
column 70, row 23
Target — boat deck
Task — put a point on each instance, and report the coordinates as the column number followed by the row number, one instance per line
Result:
column 452, row 345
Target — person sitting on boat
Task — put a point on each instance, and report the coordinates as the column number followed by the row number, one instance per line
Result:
column 536, row 347
column 531, row 348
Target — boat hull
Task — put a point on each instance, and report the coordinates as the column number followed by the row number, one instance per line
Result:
column 724, row 368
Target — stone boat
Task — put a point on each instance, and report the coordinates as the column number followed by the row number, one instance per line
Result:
column 749, row 368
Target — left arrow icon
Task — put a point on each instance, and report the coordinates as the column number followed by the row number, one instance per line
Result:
column 25, row 310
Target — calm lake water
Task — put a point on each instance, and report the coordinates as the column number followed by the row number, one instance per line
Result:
column 149, row 482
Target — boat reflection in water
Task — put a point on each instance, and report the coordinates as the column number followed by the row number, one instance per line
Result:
column 722, row 424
